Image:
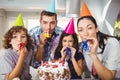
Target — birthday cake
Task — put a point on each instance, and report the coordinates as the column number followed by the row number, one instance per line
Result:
column 54, row 70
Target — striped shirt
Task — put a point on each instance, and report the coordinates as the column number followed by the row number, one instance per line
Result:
column 8, row 61
column 35, row 33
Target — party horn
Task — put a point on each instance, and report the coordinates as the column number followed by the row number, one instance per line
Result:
column 68, row 51
column 86, row 47
column 47, row 35
column 22, row 44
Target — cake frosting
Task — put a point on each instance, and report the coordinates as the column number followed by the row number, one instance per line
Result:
column 57, row 70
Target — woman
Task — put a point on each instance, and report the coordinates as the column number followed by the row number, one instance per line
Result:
column 102, row 58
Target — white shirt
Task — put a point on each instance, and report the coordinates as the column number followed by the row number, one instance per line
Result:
column 110, row 57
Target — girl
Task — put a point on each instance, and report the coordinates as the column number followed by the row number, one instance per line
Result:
column 69, row 40
column 18, row 54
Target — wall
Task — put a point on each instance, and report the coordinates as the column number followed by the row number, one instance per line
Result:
column 2, row 24
column 111, row 15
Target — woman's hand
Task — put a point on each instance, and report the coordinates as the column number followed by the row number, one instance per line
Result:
column 93, row 44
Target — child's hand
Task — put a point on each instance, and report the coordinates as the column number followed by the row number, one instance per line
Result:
column 23, row 50
column 68, row 52
column 63, row 52
column 22, row 45
column 73, row 51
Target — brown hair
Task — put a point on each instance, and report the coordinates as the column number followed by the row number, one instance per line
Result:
column 100, row 36
column 8, row 36
column 47, row 13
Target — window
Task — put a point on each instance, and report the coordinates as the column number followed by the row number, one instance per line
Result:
column 32, row 22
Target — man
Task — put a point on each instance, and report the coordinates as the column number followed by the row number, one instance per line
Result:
column 43, row 44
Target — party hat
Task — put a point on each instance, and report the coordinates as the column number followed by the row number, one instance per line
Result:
column 51, row 7
column 84, row 11
column 70, row 27
column 19, row 21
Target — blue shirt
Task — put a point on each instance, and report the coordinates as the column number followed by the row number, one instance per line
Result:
column 35, row 33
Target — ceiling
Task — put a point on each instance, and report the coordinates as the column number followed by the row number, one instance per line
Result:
column 63, row 7
column 30, row 5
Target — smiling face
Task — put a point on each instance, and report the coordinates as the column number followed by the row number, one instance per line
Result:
column 86, row 28
column 68, row 41
column 17, row 38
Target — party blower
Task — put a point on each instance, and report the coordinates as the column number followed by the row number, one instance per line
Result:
column 68, row 51
column 47, row 35
column 22, row 44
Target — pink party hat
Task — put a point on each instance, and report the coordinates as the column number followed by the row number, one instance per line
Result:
column 70, row 27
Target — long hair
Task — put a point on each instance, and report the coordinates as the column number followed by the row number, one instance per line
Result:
column 100, row 36
column 9, row 35
column 59, row 47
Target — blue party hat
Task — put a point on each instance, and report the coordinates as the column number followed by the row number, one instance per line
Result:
column 51, row 7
